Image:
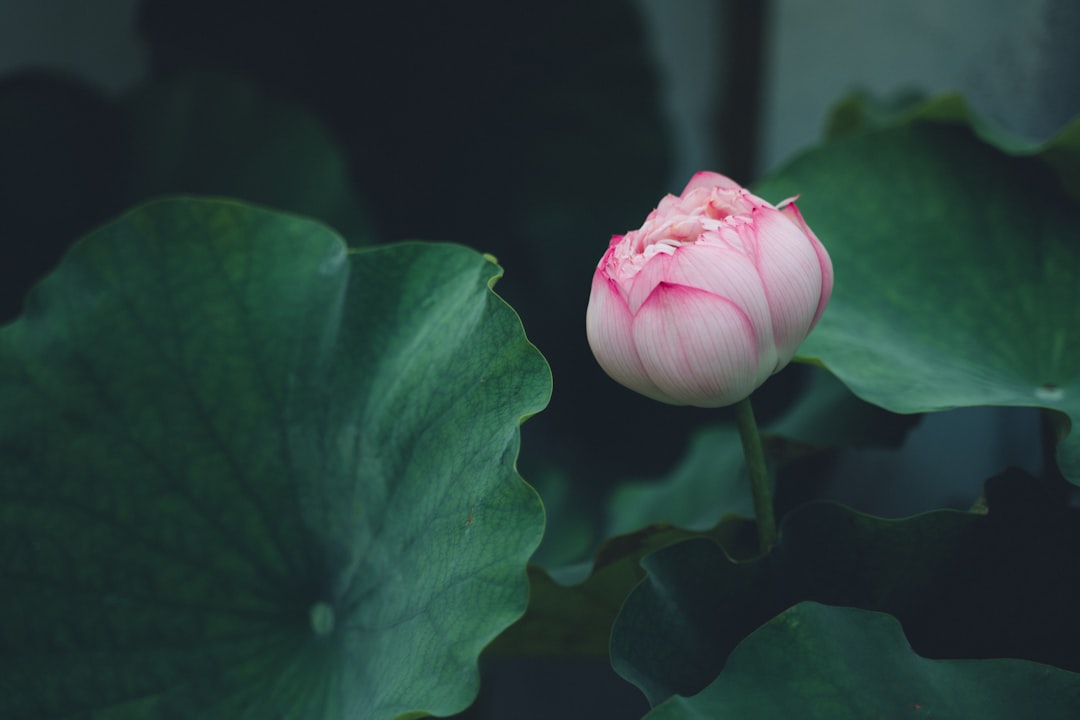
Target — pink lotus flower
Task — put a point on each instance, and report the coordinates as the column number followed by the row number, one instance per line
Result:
column 711, row 296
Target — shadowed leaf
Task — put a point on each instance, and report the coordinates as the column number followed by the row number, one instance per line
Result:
column 833, row 663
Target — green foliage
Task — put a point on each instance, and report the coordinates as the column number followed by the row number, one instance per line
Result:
column 831, row 663
column 73, row 160
column 212, row 134
column 710, row 481
column 862, row 113
column 573, row 607
column 956, row 270
column 964, row 585
column 249, row 474
column 827, row 416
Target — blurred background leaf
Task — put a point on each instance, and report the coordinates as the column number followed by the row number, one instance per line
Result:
column 214, row 134
column 710, row 481
column 73, row 159
column 819, row 662
column 61, row 143
column 962, row 584
column 572, row 608
column 956, row 270
column 578, row 587
column 862, row 112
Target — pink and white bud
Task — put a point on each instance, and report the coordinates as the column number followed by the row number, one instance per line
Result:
column 711, row 296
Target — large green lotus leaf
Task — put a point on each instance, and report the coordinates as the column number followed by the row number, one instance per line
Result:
column 245, row 473
column 828, row 416
column 860, row 112
column 964, row 585
column 833, row 663
column 957, row 273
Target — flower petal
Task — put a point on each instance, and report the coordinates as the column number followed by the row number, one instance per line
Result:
column 697, row 348
column 791, row 273
column 651, row 274
column 708, row 179
column 730, row 274
column 792, row 213
column 608, row 325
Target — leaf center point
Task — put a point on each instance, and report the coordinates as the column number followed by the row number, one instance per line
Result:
column 322, row 619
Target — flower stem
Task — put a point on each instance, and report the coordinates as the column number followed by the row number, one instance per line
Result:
column 759, row 475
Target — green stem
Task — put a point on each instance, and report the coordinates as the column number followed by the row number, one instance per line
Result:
column 759, row 475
